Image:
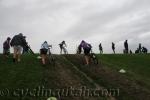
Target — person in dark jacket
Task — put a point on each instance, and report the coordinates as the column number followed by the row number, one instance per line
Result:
column 6, row 47
column 100, row 48
column 63, row 46
column 25, row 46
column 144, row 50
column 126, row 47
column 87, row 49
column 113, row 47
column 140, row 48
column 17, row 43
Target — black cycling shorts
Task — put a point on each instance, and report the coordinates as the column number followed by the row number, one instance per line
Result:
column 43, row 51
column 87, row 51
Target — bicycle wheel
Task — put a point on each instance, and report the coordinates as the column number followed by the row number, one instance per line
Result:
column 95, row 61
column 53, row 61
column 94, row 58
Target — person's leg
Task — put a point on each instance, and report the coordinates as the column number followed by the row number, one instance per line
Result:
column 5, row 53
column 15, row 53
column 43, row 59
column 65, row 50
column 125, row 51
column 60, row 50
column 101, row 51
column 114, row 51
column 87, row 59
column 19, row 53
column 44, row 55
column 18, row 56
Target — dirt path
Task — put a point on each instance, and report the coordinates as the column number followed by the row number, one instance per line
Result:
column 63, row 76
column 97, row 86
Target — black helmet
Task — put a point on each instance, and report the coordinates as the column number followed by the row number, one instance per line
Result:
column 45, row 41
column 63, row 41
column 8, row 38
column 82, row 41
column 20, row 34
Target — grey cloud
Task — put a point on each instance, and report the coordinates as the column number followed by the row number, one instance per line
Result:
column 73, row 20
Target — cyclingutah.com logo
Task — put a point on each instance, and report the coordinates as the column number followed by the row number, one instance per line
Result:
column 41, row 91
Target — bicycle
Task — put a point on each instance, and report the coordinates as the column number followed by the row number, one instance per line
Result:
column 93, row 58
column 51, row 58
column 65, row 50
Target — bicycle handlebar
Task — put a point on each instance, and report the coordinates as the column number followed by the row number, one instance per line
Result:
column 50, row 47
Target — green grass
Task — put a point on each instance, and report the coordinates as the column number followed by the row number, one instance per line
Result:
column 137, row 66
column 133, row 85
column 25, row 75
column 29, row 74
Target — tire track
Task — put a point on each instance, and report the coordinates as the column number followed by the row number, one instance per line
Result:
column 89, row 79
column 62, row 76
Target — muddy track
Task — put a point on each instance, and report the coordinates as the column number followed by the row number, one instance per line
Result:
column 106, row 77
column 63, row 76
column 97, row 86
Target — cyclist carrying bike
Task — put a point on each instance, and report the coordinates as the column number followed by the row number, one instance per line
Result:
column 87, row 48
column 63, row 46
column 43, row 51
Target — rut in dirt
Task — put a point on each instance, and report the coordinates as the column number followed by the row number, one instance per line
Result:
column 64, row 76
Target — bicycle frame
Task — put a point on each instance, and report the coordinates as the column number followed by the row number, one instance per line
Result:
column 65, row 50
column 93, row 57
column 51, row 57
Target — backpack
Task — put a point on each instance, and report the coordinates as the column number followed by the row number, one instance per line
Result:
column 88, row 46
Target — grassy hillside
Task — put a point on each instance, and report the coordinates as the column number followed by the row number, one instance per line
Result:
column 18, row 81
column 23, row 79
column 137, row 66
column 133, row 85
column 24, row 75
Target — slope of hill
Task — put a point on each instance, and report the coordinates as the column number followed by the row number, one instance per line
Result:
column 29, row 80
column 133, row 85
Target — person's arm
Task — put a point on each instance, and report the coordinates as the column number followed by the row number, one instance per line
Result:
column 79, row 49
column 65, row 45
column 90, row 45
column 50, row 46
column 4, row 44
column 42, row 46
column 12, row 42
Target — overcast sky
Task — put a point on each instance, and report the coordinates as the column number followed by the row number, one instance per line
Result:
column 74, row 20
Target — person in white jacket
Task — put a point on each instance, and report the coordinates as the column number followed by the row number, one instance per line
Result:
column 43, row 51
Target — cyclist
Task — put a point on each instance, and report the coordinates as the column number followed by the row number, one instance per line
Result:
column 6, row 47
column 87, row 48
column 100, row 48
column 17, row 43
column 63, row 46
column 25, row 46
column 113, row 47
column 43, row 51
column 126, row 47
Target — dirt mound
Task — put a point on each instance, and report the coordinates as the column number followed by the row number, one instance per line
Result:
column 63, row 76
